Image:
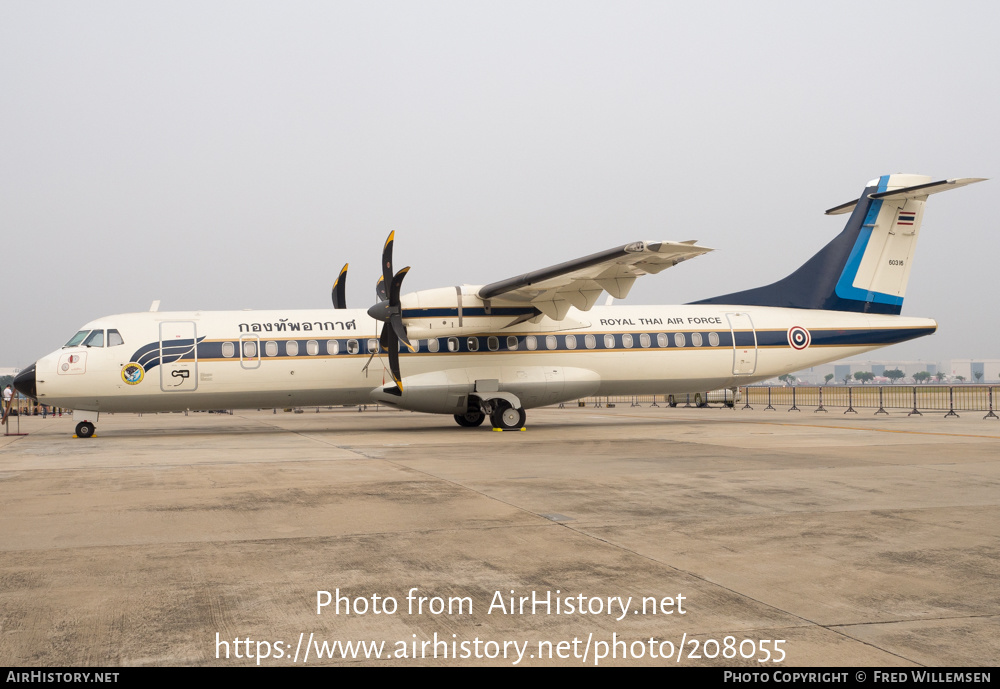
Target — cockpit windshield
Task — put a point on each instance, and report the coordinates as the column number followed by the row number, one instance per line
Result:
column 96, row 339
column 77, row 339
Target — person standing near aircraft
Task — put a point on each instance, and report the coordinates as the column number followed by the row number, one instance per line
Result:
column 8, row 395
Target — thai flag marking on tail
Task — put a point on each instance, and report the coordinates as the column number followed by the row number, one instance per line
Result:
column 906, row 217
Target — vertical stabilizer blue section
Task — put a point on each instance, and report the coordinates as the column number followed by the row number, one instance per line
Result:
column 826, row 281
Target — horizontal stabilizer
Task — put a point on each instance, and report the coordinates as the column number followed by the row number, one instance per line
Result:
column 915, row 192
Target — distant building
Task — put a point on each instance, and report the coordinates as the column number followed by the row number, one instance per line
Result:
column 967, row 368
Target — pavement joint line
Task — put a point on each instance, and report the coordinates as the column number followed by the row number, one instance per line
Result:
column 807, row 623
column 818, row 425
column 314, row 439
column 630, row 551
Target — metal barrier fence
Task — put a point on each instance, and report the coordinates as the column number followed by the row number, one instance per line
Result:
column 914, row 398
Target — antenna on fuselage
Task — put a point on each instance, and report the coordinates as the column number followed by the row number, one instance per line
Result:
column 155, row 306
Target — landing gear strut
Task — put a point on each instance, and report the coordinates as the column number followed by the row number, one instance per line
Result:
column 85, row 429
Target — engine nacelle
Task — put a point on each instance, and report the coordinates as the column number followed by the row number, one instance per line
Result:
column 458, row 311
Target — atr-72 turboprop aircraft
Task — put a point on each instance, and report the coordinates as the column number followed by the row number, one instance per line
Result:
column 498, row 349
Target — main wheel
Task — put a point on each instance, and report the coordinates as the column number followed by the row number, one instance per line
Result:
column 506, row 418
column 671, row 401
column 85, row 429
column 699, row 401
column 471, row 418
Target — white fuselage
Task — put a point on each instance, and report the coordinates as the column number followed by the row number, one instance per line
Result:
column 250, row 359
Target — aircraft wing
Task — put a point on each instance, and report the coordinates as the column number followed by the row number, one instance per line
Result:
column 581, row 281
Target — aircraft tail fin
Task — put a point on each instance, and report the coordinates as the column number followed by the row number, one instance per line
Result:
column 867, row 266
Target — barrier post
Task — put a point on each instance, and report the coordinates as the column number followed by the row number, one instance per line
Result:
column 914, row 403
column 881, row 409
column 746, row 396
column 793, row 407
column 820, row 407
column 769, row 400
column 991, row 415
column 850, row 401
column 951, row 402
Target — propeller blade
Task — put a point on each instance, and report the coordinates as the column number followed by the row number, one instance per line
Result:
column 393, row 350
column 380, row 292
column 395, row 309
column 398, row 329
column 383, row 338
column 339, row 291
column 387, row 259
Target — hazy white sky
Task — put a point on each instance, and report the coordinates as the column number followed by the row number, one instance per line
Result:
column 228, row 155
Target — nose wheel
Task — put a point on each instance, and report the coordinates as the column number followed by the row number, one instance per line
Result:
column 85, row 429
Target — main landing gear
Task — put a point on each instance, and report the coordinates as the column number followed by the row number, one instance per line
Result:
column 503, row 413
column 471, row 418
column 85, row 429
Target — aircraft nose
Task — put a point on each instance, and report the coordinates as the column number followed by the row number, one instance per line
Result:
column 24, row 382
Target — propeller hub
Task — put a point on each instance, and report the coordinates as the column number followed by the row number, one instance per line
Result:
column 381, row 311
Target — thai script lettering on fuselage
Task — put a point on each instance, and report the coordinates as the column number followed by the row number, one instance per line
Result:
column 305, row 326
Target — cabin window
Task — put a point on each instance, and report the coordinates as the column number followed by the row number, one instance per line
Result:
column 512, row 343
column 493, row 343
column 292, row 348
column 452, row 344
column 551, row 342
column 96, row 339
column 352, row 347
column 713, row 339
column 115, row 338
column 696, row 339
column 679, row 340
column 661, row 340
column 531, row 342
column 270, row 348
column 333, row 347
column 77, row 339
column 228, row 350
column 571, row 342
column 312, row 347
column 433, row 345
column 590, row 341
column 473, row 343
column 644, row 339
column 609, row 341
column 249, row 349
column 627, row 341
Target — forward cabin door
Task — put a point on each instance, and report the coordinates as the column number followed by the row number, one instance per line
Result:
column 744, row 344
column 178, row 356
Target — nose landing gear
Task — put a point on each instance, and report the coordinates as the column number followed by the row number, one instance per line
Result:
column 85, row 429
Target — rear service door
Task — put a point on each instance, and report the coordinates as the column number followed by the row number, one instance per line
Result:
column 744, row 344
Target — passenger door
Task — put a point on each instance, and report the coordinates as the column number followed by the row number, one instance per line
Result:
column 178, row 356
